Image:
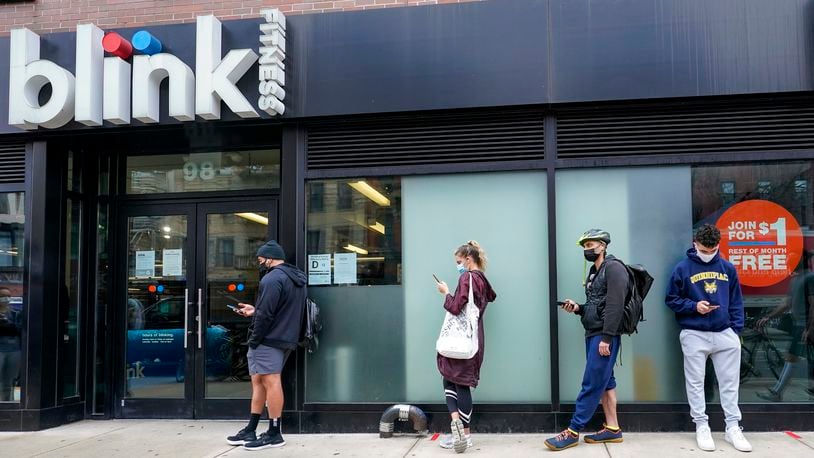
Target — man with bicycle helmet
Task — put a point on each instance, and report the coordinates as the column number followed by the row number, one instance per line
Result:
column 606, row 287
column 705, row 294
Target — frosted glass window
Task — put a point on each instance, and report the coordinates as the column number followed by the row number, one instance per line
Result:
column 648, row 212
column 379, row 341
column 506, row 214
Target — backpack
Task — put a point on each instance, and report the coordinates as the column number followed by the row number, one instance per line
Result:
column 311, row 326
column 639, row 283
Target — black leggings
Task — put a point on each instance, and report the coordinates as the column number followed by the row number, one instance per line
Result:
column 459, row 399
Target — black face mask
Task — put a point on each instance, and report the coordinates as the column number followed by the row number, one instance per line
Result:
column 590, row 255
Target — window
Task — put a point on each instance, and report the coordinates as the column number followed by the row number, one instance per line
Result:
column 648, row 214
column 775, row 263
column 12, row 292
column 198, row 172
column 380, row 346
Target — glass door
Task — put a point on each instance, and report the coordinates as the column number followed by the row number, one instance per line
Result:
column 230, row 234
column 184, row 349
column 158, row 303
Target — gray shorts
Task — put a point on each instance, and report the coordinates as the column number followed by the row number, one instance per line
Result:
column 266, row 360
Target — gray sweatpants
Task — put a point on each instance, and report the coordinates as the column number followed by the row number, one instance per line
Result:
column 725, row 350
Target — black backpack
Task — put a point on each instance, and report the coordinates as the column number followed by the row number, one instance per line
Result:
column 311, row 326
column 639, row 283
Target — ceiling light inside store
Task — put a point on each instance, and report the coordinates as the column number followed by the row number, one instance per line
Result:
column 166, row 229
column 355, row 249
column 166, row 236
column 254, row 217
column 370, row 193
column 378, row 227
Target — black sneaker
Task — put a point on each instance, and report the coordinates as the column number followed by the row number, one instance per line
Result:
column 266, row 440
column 242, row 437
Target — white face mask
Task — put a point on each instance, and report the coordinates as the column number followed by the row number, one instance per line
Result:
column 705, row 257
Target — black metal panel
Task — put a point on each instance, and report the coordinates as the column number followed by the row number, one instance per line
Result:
column 715, row 127
column 12, row 162
column 446, row 56
column 427, row 139
column 634, row 49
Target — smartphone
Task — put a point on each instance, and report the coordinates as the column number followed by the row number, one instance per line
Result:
column 560, row 303
column 436, row 278
column 232, row 306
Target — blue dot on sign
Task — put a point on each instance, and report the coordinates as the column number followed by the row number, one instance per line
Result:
column 240, row 287
column 160, row 288
column 145, row 43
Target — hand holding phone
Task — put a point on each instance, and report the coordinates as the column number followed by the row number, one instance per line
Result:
column 232, row 306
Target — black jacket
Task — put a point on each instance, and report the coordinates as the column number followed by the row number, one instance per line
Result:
column 605, row 294
column 279, row 309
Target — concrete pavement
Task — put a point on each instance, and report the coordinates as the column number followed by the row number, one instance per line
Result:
column 184, row 438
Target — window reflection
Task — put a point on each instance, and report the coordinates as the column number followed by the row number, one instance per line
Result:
column 197, row 172
column 12, row 292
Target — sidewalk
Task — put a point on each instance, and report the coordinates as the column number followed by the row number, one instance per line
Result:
column 180, row 438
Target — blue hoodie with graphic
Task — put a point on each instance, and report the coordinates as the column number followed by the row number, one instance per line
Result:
column 694, row 280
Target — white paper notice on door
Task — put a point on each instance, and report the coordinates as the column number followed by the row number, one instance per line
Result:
column 344, row 268
column 319, row 269
column 173, row 263
column 145, row 263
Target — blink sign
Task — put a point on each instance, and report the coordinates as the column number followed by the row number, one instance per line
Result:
column 122, row 87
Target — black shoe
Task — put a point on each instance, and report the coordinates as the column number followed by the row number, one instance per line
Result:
column 810, row 391
column 770, row 395
column 243, row 437
column 266, row 440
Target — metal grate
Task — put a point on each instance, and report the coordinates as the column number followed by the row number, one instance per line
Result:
column 12, row 162
column 427, row 139
column 650, row 130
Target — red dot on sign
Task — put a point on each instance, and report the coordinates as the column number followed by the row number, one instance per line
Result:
column 151, row 288
column 232, row 287
column 117, row 45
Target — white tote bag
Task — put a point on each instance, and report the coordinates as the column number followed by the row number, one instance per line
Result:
column 459, row 333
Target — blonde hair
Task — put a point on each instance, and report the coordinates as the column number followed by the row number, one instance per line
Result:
column 473, row 249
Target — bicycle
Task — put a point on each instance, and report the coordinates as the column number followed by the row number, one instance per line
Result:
column 755, row 340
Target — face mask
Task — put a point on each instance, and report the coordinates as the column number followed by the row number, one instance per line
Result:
column 461, row 268
column 590, row 255
column 706, row 257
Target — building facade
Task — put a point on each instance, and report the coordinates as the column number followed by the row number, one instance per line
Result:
column 136, row 185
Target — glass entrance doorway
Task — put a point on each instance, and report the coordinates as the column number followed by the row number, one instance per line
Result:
column 182, row 266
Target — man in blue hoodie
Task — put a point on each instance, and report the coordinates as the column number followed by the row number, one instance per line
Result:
column 275, row 332
column 705, row 294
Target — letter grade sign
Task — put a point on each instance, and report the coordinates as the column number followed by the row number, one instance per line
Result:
column 104, row 87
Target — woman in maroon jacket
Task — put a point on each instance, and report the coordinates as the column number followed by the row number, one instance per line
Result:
column 462, row 374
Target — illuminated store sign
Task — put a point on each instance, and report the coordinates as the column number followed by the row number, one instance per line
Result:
column 127, row 84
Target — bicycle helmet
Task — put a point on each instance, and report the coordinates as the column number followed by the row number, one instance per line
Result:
column 594, row 234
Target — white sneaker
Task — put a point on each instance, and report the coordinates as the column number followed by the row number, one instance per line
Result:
column 448, row 442
column 703, row 436
column 734, row 435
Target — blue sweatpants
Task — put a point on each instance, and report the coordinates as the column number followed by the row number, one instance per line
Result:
column 597, row 379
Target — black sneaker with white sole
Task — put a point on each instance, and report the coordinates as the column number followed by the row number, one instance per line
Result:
column 242, row 437
column 266, row 440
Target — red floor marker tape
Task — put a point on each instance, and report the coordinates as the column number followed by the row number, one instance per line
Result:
column 434, row 436
column 791, row 434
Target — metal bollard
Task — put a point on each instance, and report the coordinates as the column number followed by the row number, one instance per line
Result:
column 402, row 412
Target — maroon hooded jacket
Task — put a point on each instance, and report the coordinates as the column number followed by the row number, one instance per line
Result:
column 467, row 371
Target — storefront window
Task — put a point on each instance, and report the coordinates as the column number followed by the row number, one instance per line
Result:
column 197, row 172
column 380, row 345
column 765, row 217
column 648, row 214
column 12, row 293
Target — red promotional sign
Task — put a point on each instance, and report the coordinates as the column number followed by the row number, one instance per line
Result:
column 763, row 241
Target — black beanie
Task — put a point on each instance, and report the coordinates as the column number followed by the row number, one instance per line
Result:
column 271, row 250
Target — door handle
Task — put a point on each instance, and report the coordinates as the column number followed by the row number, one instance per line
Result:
column 186, row 316
column 200, row 320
